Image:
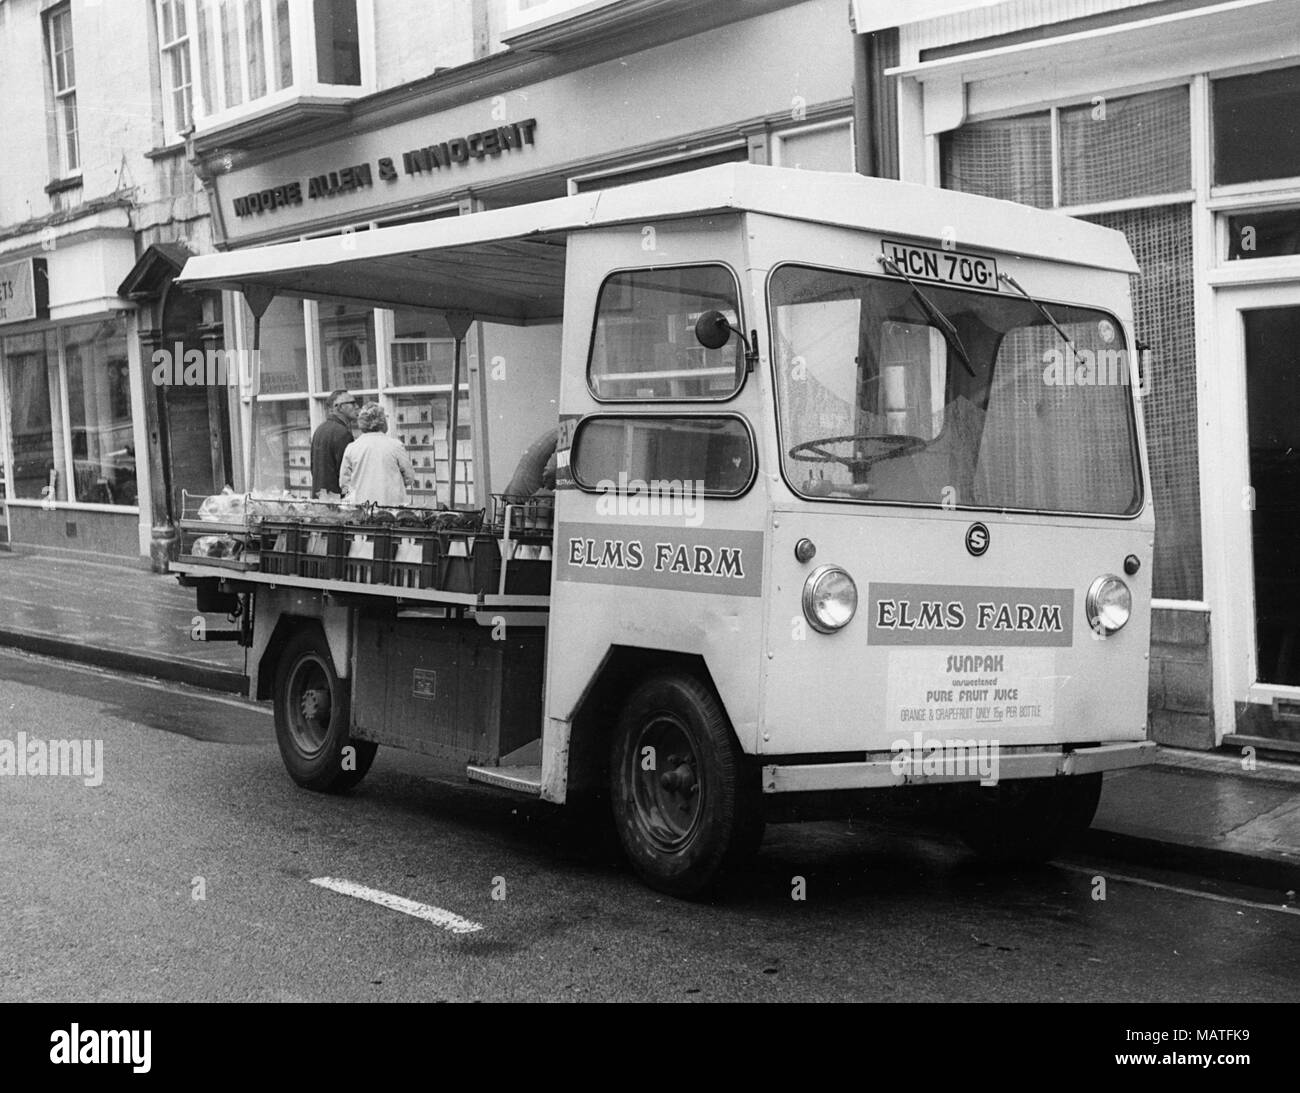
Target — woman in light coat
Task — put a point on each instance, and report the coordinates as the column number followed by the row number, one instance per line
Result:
column 375, row 466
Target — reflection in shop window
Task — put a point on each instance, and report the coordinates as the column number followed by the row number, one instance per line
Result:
column 283, row 347
column 348, row 344
column 283, row 432
column 36, row 438
column 99, row 414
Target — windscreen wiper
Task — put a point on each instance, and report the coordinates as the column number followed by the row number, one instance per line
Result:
column 937, row 317
column 1045, row 314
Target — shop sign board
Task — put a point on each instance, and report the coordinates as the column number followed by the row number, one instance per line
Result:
column 24, row 291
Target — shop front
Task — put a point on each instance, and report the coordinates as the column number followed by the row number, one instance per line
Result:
column 1174, row 123
column 553, row 114
column 72, row 428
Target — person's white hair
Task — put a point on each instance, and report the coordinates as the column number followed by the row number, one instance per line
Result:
column 372, row 418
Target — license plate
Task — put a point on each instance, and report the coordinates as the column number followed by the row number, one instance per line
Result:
column 949, row 267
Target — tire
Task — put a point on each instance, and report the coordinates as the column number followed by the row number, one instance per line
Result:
column 698, row 813
column 1025, row 822
column 313, row 712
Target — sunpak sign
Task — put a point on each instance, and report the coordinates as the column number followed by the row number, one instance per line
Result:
column 24, row 291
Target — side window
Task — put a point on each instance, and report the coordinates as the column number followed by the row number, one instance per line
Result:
column 657, row 455
column 644, row 344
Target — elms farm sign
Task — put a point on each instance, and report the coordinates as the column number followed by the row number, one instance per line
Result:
column 440, row 156
column 24, row 291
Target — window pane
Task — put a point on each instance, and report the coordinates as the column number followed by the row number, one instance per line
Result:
column 207, row 57
column 338, row 45
column 348, row 342
column 1264, row 234
column 1010, row 158
column 230, row 45
column 1163, row 311
column 166, row 10
column 681, row 456
column 99, row 413
column 283, row 45
column 178, row 7
column 283, row 346
column 872, row 410
column 256, row 53
column 32, row 362
column 283, row 431
column 1257, row 126
column 644, row 346
column 422, row 423
column 1128, row 147
column 71, row 142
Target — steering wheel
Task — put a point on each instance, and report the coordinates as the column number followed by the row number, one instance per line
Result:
column 893, row 445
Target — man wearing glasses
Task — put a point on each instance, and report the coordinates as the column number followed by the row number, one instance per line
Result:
column 328, row 443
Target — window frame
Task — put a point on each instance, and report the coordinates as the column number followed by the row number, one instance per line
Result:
column 1139, row 463
column 67, row 139
column 740, row 322
column 304, row 80
column 661, row 415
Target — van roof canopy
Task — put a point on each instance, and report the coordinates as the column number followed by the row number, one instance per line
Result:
column 507, row 265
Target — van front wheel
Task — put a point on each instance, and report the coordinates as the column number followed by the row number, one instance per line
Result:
column 686, row 801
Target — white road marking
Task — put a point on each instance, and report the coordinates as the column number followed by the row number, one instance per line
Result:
column 1100, row 872
column 448, row 920
column 142, row 681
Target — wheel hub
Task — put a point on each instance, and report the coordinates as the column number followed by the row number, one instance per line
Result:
column 667, row 793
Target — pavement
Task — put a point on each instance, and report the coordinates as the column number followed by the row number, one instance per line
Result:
column 1220, row 814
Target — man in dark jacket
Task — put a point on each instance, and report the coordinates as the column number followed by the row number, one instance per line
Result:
column 328, row 442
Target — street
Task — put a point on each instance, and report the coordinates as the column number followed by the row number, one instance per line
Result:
column 187, row 876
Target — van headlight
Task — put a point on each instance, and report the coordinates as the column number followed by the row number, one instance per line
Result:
column 830, row 599
column 1109, row 604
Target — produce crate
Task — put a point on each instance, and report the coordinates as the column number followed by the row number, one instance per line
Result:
column 527, row 567
column 365, row 554
column 523, row 517
column 414, row 558
column 279, row 546
column 320, row 552
column 469, row 563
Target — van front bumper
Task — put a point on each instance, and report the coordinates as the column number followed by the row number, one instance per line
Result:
column 885, row 771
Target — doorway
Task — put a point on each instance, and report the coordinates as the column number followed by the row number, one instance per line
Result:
column 1259, row 331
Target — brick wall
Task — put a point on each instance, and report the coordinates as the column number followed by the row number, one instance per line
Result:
column 1180, row 700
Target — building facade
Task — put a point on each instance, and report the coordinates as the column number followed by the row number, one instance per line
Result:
column 1177, row 122
column 98, row 208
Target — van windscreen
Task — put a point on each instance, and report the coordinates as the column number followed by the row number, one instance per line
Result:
column 1002, row 409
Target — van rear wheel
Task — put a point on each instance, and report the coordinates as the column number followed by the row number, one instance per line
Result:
column 313, row 717
column 686, row 801
column 1026, row 821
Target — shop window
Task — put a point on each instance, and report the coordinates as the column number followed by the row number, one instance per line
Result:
column 662, row 456
column 348, row 346
column 644, row 344
column 177, row 84
column 1257, row 126
column 283, row 347
column 63, row 77
column 250, row 51
column 35, row 417
column 1010, row 159
column 1274, row 233
column 1126, row 147
column 422, row 422
column 99, row 414
column 283, row 453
